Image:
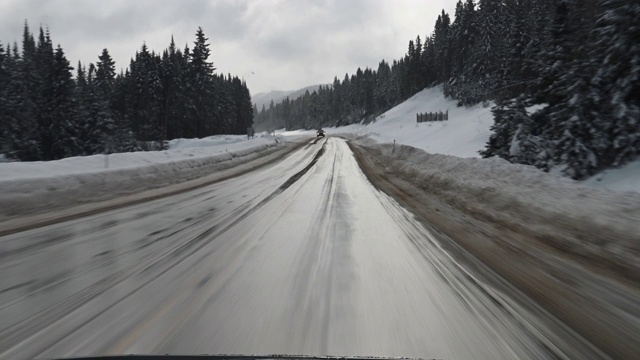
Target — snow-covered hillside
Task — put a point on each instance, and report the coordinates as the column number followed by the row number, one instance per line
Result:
column 466, row 133
column 277, row 96
column 463, row 135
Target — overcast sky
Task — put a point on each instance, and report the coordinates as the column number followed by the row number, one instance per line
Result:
column 272, row 44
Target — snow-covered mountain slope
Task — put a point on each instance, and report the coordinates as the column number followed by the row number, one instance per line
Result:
column 277, row 96
column 463, row 135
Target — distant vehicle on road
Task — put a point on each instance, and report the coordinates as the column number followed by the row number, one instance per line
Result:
column 320, row 133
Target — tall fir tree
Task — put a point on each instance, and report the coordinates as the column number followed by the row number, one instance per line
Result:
column 617, row 79
column 64, row 124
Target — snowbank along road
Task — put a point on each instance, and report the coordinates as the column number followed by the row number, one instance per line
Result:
column 303, row 256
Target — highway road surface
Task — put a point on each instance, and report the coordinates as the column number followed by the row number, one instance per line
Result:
column 303, row 256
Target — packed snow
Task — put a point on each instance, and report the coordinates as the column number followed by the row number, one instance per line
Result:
column 625, row 178
column 593, row 223
column 46, row 185
column 180, row 150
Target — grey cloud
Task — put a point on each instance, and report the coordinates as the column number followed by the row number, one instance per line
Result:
column 274, row 44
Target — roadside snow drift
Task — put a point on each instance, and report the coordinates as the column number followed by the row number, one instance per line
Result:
column 27, row 187
column 593, row 224
column 463, row 135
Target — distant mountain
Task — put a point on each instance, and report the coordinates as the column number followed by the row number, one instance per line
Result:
column 279, row 95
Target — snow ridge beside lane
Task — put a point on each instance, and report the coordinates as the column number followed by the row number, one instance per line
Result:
column 27, row 188
column 588, row 223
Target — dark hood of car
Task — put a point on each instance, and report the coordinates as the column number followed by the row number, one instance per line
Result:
column 235, row 357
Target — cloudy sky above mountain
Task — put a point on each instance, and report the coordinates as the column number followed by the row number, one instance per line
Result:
column 272, row 44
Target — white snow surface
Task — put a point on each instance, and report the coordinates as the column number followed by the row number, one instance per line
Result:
column 180, row 151
column 625, row 178
column 595, row 223
column 48, row 185
column 463, row 135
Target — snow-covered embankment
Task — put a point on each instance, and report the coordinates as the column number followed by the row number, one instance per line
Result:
column 589, row 224
column 31, row 187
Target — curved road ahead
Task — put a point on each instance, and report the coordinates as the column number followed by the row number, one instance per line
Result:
column 301, row 257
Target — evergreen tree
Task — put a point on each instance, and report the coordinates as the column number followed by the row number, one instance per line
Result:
column 105, row 74
column 47, row 115
column 201, row 73
column 508, row 116
column 442, row 60
column 23, row 127
column 147, row 82
column 94, row 121
column 488, row 51
column 43, row 94
column 63, row 109
column 617, row 80
column 4, row 80
column 463, row 84
column 517, row 136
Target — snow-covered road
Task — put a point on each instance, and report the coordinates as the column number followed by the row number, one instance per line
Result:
column 301, row 257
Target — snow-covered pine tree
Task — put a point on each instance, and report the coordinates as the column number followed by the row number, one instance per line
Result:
column 539, row 15
column 146, row 96
column 513, row 81
column 64, row 124
column 617, row 53
column 574, row 128
column 22, row 135
column 382, row 96
column 174, row 70
column 4, row 80
column 463, row 40
column 488, row 51
column 455, row 43
column 246, row 110
column 441, row 48
column 122, row 138
column 574, row 109
column 43, row 94
column 105, row 74
column 224, row 116
column 94, row 119
column 508, row 116
column 412, row 67
column 557, row 56
column 25, row 132
column 201, row 79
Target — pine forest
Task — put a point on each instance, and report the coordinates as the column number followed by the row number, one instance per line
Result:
column 47, row 113
column 564, row 76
